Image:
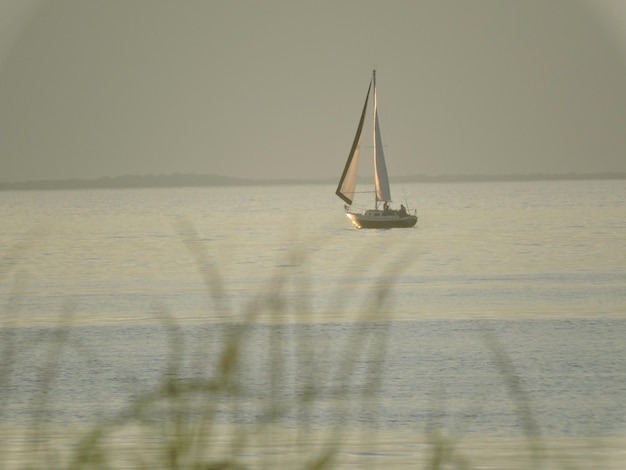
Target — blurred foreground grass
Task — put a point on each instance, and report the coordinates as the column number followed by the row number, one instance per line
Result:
column 176, row 425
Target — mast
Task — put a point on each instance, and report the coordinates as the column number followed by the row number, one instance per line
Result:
column 374, row 112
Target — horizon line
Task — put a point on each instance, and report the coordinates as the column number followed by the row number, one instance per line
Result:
column 196, row 179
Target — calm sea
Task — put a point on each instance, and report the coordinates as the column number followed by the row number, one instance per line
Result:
column 503, row 293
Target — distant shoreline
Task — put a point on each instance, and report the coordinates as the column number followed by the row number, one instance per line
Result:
column 194, row 180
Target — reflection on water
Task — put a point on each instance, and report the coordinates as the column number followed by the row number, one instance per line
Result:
column 480, row 250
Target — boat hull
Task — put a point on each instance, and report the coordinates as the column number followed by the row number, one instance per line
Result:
column 381, row 221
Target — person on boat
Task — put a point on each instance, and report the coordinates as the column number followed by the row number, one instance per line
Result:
column 386, row 210
column 402, row 212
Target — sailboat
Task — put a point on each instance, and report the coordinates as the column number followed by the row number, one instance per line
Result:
column 376, row 217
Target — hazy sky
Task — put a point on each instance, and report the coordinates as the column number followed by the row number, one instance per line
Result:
column 273, row 88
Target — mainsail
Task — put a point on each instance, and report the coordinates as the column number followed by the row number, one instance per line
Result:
column 383, row 193
column 347, row 183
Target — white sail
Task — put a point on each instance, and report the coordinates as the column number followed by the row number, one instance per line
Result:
column 383, row 193
column 347, row 183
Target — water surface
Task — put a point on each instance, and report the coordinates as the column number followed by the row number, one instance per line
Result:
column 505, row 297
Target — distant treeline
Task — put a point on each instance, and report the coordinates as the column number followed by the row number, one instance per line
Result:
column 143, row 181
column 191, row 180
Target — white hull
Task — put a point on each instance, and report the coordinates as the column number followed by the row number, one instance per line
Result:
column 377, row 219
